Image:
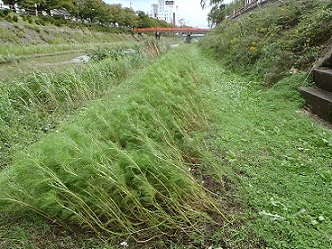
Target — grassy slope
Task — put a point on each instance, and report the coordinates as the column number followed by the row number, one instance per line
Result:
column 283, row 160
column 282, row 157
column 279, row 155
column 271, row 43
column 47, row 39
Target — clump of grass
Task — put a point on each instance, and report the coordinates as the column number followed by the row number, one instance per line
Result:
column 6, row 59
column 123, row 165
column 151, row 48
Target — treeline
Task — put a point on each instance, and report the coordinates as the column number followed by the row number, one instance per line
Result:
column 96, row 11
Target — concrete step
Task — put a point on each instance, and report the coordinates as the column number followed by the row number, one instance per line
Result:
column 319, row 101
column 326, row 61
column 323, row 78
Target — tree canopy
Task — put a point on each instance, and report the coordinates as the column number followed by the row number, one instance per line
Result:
column 94, row 10
column 216, row 14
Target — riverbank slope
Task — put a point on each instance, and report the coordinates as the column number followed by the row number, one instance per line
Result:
column 28, row 38
column 262, row 164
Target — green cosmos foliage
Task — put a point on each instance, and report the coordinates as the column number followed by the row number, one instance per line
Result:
column 38, row 102
column 123, row 165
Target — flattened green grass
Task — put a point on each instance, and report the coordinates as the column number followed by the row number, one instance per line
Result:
column 282, row 158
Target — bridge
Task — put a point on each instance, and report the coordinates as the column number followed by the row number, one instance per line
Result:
column 189, row 31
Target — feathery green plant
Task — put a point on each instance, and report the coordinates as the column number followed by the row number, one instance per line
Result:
column 36, row 103
column 125, row 165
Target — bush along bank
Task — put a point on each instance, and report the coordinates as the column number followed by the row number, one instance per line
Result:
column 273, row 42
column 128, row 165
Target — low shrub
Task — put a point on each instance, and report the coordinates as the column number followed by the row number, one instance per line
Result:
column 15, row 18
column 6, row 12
column 40, row 22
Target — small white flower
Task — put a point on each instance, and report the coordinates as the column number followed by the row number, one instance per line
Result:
column 124, row 244
column 314, row 222
column 302, row 211
column 321, row 218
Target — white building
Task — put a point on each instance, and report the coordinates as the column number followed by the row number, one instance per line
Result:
column 154, row 11
column 165, row 10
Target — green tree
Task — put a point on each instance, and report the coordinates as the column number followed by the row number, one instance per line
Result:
column 216, row 14
column 90, row 9
column 105, row 15
column 69, row 5
column 10, row 2
column 116, row 13
column 30, row 4
column 144, row 21
column 129, row 18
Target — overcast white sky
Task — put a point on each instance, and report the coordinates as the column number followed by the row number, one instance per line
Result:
column 190, row 10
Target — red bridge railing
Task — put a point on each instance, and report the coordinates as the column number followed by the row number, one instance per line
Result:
column 172, row 29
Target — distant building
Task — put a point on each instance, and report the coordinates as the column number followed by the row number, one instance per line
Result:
column 154, row 11
column 165, row 10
